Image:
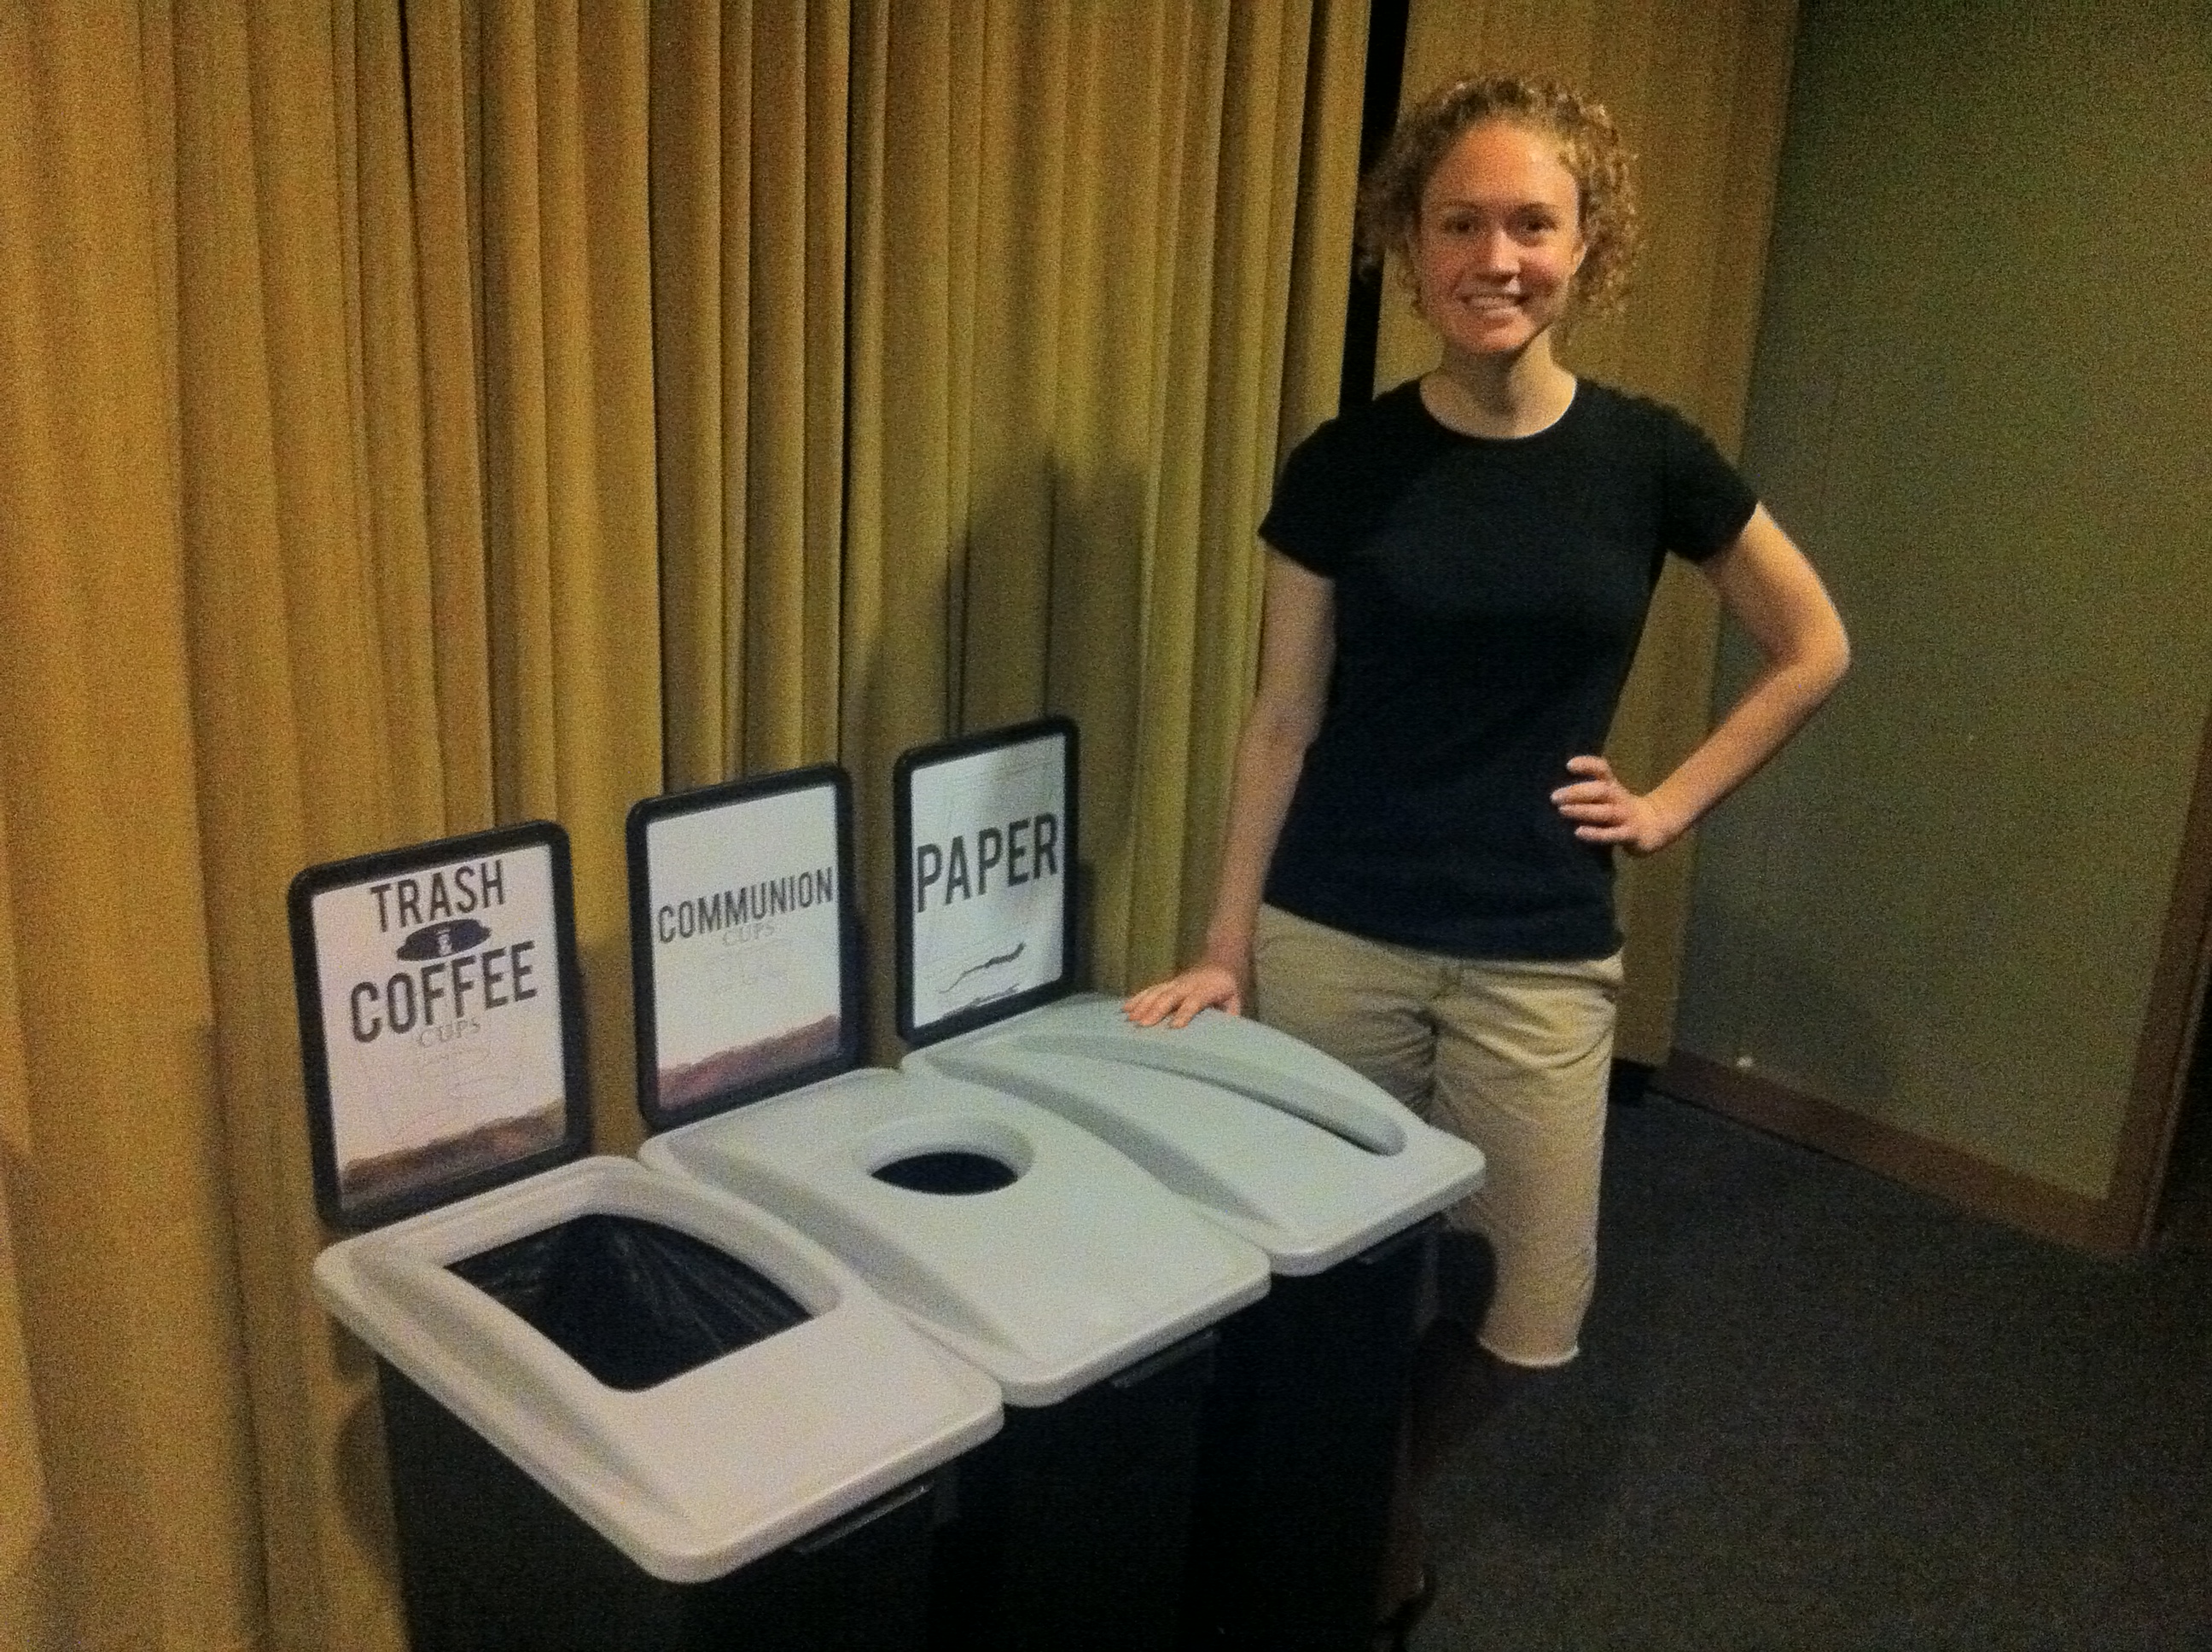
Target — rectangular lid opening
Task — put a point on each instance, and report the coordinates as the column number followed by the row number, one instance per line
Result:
column 635, row 1302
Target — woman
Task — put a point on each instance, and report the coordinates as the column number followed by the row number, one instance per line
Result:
column 1417, row 873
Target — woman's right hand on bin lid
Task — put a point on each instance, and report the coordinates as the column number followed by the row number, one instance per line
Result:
column 1205, row 984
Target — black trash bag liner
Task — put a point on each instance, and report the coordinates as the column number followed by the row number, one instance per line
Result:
column 634, row 1303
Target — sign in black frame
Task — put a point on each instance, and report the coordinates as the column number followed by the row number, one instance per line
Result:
column 495, row 1149
column 714, row 822
column 914, row 770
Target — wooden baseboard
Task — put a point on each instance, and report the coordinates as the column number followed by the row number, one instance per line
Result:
column 1929, row 1166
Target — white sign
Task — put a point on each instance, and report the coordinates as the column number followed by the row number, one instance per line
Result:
column 747, row 942
column 987, row 881
column 441, row 997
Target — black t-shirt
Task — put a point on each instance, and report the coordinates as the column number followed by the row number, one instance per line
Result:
column 1490, row 593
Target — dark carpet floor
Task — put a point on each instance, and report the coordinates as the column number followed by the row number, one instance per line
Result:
column 1817, row 1411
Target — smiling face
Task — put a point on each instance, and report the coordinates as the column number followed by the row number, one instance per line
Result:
column 1494, row 255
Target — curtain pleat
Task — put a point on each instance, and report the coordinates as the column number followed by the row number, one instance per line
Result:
column 1127, row 107
column 747, row 136
column 573, row 587
column 611, row 632
column 519, row 490
column 296, row 760
column 27, row 1606
column 701, row 231
column 1020, row 241
column 1203, row 611
column 384, row 285
column 445, row 234
column 1313, row 185
column 26, row 1520
column 1137, row 717
column 1317, row 278
column 121, row 1228
column 894, row 672
column 811, row 666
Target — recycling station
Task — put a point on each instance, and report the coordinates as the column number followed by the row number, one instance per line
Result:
column 1024, row 1244
column 1067, row 1334
column 621, row 1410
column 1339, row 1184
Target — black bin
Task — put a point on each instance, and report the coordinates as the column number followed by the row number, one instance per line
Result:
column 1022, row 1244
column 620, row 1410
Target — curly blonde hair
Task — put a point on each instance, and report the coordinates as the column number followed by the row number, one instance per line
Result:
column 1589, row 147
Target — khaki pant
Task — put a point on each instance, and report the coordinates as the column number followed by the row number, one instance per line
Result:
column 1514, row 1057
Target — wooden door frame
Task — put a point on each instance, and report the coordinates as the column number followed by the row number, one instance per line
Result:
column 2172, row 1022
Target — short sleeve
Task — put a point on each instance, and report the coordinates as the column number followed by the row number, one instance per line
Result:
column 1707, row 501
column 1310, row 518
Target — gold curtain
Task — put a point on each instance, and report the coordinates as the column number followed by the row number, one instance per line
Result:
column 949, row 434
column 1064, row 402
column 1698, row 89
column 413, row 417
column 749, row 238
column 330, row 526
column 125, row 1315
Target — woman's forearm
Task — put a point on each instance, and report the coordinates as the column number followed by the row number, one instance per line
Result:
column 1269, row 759
column 1298, row 644
column 1775, row 707
column 1296, row 650
column 1765, row 582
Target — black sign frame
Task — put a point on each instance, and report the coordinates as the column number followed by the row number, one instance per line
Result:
column 737, row 794
column 905, row 771
column 360, row 1215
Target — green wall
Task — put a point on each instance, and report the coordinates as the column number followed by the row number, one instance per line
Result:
column 1983, row 402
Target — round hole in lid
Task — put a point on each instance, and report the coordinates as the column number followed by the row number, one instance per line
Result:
column 938, row 1152
column 956, row 1171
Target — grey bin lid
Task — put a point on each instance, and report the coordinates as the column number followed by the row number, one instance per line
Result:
column 696, row 1475
column 1078, row 1266
column 1278, row 1142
